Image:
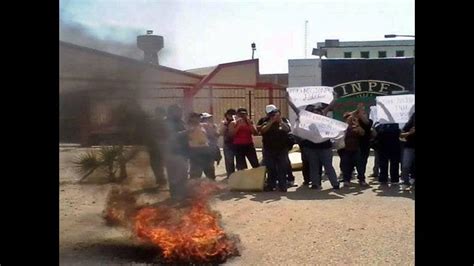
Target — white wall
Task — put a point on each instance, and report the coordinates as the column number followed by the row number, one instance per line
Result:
column 303, row 72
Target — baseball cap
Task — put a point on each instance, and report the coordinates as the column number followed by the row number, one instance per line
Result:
column 270, row 108
column 206, row 115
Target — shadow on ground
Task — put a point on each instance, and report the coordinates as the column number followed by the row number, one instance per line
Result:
column 394, row 190
column 116, row 251
column 109, row 251
column 301, row 193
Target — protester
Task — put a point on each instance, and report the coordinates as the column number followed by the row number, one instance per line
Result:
column 305, row 163
column 301, row 144
column 364, row 142
column 290, row 177
column 156, row 143
column 408, row 133
column 229, row 156
column 319, row 153
column 200, row 153
column 212, row 135
column 241, row 130
column 360, row 121
column 274, row 130
column 389, row 152
column 176, row 152
column 350, row 154
column 291, row 140
column 374, row 145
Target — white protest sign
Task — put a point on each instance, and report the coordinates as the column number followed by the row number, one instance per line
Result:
column 373, row 113
column 302, row 96
column 395, row 109
column 318, row 128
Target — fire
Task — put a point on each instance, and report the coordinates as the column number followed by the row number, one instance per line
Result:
column 189, row 233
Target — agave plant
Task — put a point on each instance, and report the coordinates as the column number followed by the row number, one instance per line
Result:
column 87, row 163
column 111, row 158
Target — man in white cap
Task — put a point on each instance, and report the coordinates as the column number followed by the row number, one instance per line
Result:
column 275, row 137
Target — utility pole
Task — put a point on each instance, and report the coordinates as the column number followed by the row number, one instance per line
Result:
column 306, row 39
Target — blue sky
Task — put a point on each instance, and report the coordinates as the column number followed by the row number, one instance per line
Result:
column 199, row 33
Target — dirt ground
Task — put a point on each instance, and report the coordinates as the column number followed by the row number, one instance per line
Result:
column 352, row 226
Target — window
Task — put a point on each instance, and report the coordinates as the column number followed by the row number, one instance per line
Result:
column 382, row 54
column 347, row 54
column 400, row 53
column 364, row 54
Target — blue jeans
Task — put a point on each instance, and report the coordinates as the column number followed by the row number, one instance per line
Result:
column 305, row 170
column 229, row 159
column 407, row 163
column 315, row 158
column 277, row 167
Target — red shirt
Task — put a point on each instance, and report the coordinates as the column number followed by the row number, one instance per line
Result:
column 243, row 136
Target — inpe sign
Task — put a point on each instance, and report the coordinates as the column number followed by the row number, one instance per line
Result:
column 361, row 80
column 367, row 88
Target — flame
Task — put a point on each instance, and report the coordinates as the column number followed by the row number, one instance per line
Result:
column 188, row 233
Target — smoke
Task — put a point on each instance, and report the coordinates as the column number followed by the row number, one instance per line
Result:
column 79, row 34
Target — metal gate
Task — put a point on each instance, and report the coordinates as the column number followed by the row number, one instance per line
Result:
column 218, row 100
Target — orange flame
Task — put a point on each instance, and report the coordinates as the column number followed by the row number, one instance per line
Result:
column 186, row 234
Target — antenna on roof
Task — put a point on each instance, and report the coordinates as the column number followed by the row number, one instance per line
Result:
column 306, row 39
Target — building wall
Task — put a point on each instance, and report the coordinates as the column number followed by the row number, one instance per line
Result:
column 164, row 96
column 338, row 52
column 373, row 47
column 245, row 74
column 303, row 72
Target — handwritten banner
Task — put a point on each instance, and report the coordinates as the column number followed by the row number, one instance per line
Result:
column 302, row 96
column 318, row 128
column 373, row 113
column 395, row 109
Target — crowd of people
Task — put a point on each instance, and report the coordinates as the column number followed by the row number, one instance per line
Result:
column 189, row 149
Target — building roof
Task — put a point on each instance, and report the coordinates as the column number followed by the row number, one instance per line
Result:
column 369, row 43
column 128, row 60
column 218, row 68
column 202, row 70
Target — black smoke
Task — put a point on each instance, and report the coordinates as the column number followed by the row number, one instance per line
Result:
column 79, row 34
